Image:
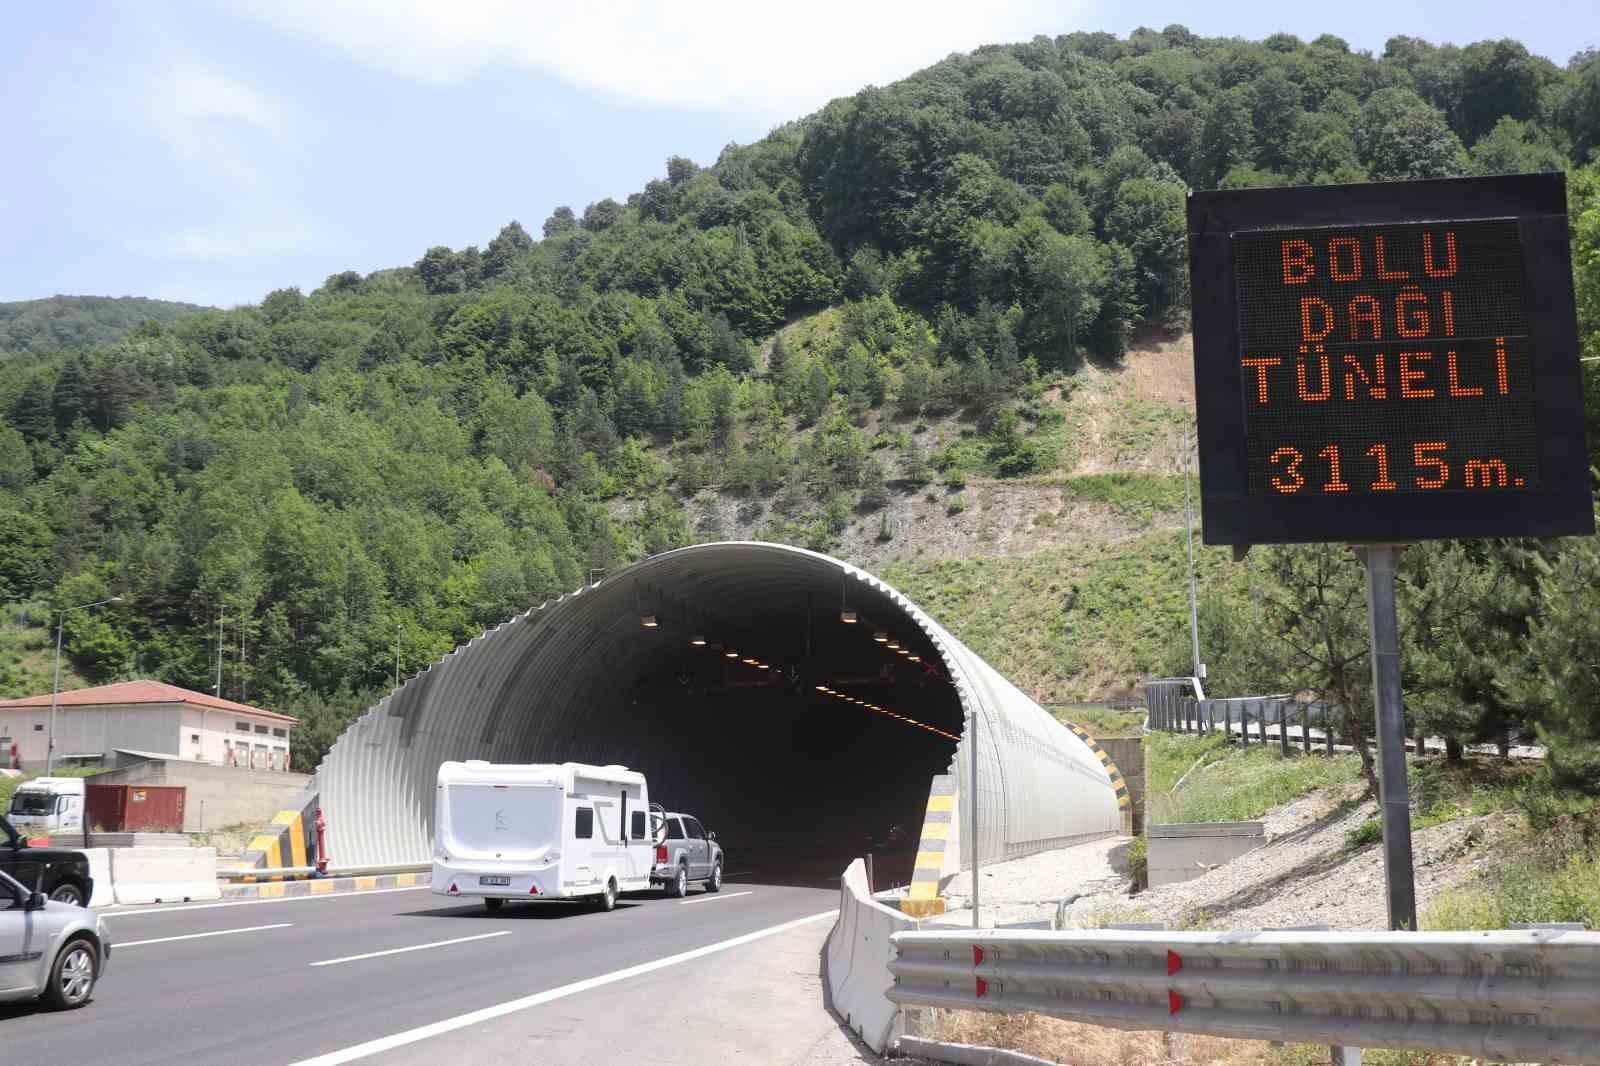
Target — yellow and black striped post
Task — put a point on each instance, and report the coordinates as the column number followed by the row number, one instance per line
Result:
column 938, row 836
column 1118, row 785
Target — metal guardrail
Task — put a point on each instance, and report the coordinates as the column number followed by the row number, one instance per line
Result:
column 1529, row 996
column 262, row 873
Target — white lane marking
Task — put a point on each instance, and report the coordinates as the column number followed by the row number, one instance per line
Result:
column 197, row 936
column 462, row 1021
column 253, row 902
column 414, row 947
column 712, row 896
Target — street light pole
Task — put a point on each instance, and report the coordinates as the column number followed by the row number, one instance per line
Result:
column 55, row 685
column 1188, row 529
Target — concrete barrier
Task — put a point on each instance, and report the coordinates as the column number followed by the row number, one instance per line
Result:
column 1185, row 851
column 291, row 839
column 100, row 873
column 164, row 875
column 858, row 959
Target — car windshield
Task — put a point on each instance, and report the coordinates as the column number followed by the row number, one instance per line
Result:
column 32, row 803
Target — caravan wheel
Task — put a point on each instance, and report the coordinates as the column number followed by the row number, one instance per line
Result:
column 608, row 898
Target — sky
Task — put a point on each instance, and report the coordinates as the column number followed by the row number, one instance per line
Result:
column 214, row 152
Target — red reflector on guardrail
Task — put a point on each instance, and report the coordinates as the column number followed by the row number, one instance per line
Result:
column 983, row 988
column 977, row 955
column 1174, row 964
column 1174, row 1003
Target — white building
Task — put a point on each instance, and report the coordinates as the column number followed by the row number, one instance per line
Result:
column 144, row 716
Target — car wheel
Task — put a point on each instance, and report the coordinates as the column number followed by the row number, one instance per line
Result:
column 491, row 904
column 608, row 898
column 680, row 883
column 714, row 882
column 72, row 976
column 67, row 892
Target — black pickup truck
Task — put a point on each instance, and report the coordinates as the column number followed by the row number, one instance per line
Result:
column 60, row 873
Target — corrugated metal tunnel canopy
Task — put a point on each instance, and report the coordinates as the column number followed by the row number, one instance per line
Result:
column 793, row 778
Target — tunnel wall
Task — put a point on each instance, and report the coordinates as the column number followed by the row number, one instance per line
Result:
column 526, row 691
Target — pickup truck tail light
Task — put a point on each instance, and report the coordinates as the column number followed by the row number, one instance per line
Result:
column 661, row 854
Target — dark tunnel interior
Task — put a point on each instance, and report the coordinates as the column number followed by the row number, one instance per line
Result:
column 773, row 720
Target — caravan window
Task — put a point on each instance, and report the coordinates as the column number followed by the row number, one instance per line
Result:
column 637, row 831
column 585, row 828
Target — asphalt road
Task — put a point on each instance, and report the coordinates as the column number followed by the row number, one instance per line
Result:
column 316, row 978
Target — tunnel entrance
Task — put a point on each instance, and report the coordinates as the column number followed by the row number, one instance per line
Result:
column 801, row 723
column 794, row 703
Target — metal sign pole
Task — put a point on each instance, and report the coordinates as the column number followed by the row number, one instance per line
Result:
column 1393, row 793
column 972, row 801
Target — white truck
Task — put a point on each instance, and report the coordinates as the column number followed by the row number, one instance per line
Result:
column 48, row 805
column 540, row 831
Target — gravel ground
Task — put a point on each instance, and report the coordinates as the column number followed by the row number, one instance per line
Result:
column 1028, row 889
column 1304, row 875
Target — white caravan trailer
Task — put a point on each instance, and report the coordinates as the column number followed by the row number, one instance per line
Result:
column 540, row 831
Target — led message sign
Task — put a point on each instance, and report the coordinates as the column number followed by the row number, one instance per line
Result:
column 1387, row 362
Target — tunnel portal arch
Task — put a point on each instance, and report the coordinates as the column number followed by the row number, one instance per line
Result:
column 828, row 737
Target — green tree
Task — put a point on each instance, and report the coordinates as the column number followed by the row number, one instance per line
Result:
column 1147, row 218
column 1514, row 147
column 561, row 221
column 1577, row 105
column 1400, row 136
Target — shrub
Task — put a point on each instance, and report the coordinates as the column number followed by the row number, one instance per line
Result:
column 956, row 505
column 1368, row 832
column 1139, row 863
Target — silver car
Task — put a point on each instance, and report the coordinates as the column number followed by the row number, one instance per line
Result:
column 49, row 949
column 684, row 852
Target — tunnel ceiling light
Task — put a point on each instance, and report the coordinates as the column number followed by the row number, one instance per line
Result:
column 894, row 644
column 916, row 658
column 649, row 621
column 749, row 661
column 881, row 637
column 901, row 651
column 698, row 642
column 847, row 617
column 762, row 666
column 822, row 688
column 730, row 654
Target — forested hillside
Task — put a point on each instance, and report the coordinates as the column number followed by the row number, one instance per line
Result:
column 408, row 456
column 80, row 321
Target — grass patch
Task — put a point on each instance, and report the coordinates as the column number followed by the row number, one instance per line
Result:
column 1549, row 885
column 1232, row 785
column 1077, row 622
column 1133, row 495
column 1103, row 722
column 1443, row 793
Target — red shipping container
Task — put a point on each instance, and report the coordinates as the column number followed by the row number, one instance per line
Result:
column 132, row 808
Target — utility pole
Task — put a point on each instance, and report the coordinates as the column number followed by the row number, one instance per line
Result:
column 219, row 655
column 397, row 655
column 1188, row 529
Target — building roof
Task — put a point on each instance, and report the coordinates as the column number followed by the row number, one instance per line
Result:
column 124, row 693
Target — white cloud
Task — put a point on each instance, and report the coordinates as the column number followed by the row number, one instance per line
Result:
column 228, row 137
column 212, row 120
column 762, row 59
